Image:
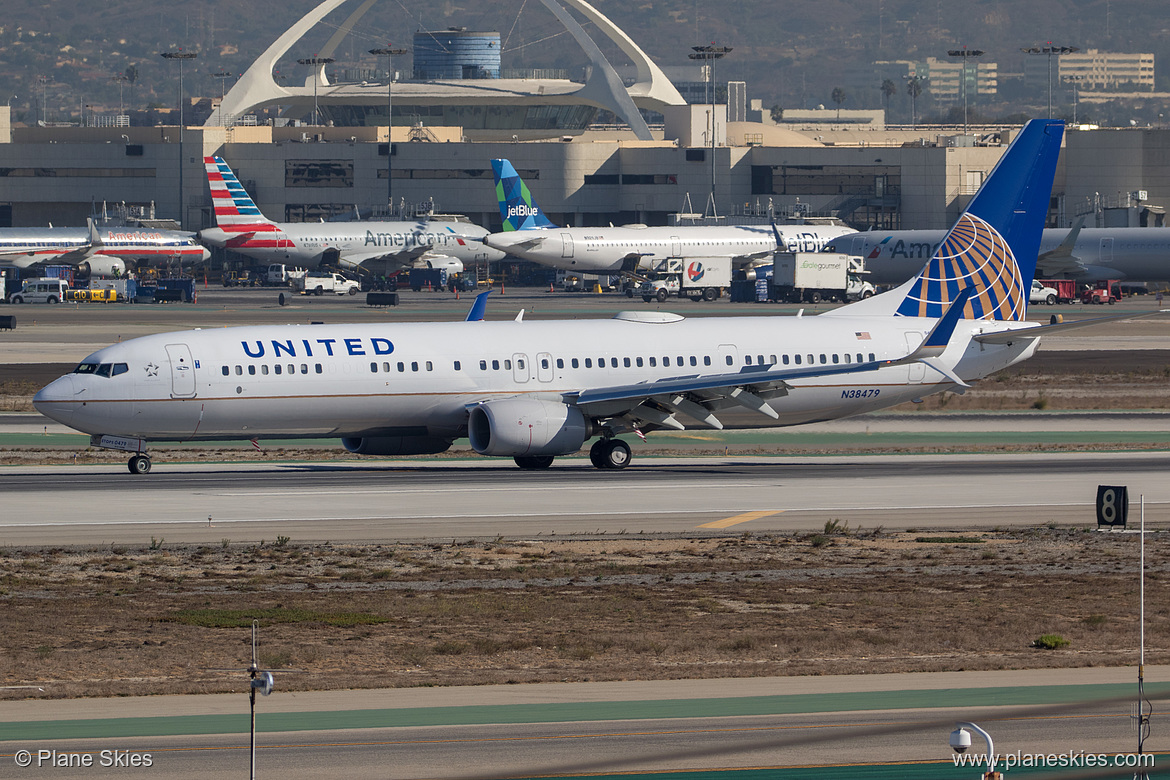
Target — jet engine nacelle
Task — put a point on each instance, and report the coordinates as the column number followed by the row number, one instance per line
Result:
column 449, row 264
column 101, row 266
column 396, row 445
column 527, row 426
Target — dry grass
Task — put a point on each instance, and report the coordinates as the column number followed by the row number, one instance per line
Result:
column 137, row 621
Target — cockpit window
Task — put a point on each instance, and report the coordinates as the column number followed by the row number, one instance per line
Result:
column 102, row 369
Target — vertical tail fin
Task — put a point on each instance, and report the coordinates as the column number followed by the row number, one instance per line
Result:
column 231, row 203
column 994, row 245
column 517, row 208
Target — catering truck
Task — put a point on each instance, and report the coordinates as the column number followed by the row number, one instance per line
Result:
column 812, row 277
column 700, row 279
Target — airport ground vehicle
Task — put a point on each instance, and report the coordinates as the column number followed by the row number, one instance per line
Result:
column 41, row 291
column 1108, row 291
column 1060, row 290
column 281, row 275
column 699, row 280
column 321, row 283
column 811, row 277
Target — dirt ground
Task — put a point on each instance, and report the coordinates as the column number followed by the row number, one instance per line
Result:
column 120, row 621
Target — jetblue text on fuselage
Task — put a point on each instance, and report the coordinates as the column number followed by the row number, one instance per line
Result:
column 317, row 347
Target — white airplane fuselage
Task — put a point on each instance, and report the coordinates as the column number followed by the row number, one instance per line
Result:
column 271, row 382
column 28, row 247
column 610, row 249
column 1143, row 254
column 309, row 244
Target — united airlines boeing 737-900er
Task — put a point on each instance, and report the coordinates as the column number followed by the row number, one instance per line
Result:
column 97, row 251
column 1086, row 255
column 376, row 247
column 529, row 234
column 540, row 389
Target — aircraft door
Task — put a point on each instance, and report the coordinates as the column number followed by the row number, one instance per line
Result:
column 182, row 371
column 520, row 369
column 675, row 246
column 1106, row 257
column 728, row 359
column 858, row 249
column 917, row 370
column 566, row 244
column 544, row 367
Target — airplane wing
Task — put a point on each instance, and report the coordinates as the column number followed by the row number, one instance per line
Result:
column 1060, row 260
column 658, row 403
column 402, row 257
column 26, row 260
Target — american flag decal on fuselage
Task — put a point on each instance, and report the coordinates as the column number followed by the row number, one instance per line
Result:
column 973, row 254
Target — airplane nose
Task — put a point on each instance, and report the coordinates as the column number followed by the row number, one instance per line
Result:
column 57, row 400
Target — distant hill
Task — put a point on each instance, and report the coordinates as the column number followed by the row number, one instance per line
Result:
column 791, row 54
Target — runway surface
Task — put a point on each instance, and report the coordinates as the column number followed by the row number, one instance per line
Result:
column 410, row 500
column 510, row 731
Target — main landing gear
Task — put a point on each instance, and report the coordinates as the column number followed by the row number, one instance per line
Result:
column 139, row 464
column 610, row 454
column 533, row 462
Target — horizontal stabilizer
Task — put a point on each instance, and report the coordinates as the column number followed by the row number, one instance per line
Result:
column 1017, row 334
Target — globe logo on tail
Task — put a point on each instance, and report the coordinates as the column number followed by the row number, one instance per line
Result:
column 975, row 255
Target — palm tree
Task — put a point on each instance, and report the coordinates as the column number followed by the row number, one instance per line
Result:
column 889, row 89
column 914, row 88
column 838, row 97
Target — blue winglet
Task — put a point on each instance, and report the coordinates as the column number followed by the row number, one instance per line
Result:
column 940, row 334
column 479, row 308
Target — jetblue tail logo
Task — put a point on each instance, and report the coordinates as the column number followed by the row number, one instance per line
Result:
column 975, row 255
column 232, row 204
column 992, row 249
column 517, row 209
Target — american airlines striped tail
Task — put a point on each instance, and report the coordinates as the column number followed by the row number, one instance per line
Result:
column 231, row 202
column 992, row 248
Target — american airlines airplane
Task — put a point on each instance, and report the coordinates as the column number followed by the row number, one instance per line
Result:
column 533, row 391
column 97, row 251
column 529, row 234
column 377, row 247
column 1083, row 254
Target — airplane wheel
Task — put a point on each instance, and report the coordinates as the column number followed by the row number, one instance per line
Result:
column 662, row 295
column 139, row 464
column 597, row 454
column 617, row 454
column 534, row 462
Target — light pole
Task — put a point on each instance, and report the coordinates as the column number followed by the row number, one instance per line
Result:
column 711, row 54
column 315, row 62
column 223, row 76
column 390, row 53
column 182, row 57
column 960, row 742
column 965, row 54
column 1075, row 81
column 1050, row 51
column 44, row 82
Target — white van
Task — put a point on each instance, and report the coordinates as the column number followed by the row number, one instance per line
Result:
column 41, row 291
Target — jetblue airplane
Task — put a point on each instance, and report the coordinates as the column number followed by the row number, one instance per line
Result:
column 533, row 391
column 378, row 247
column 97, row 251
column 529, row 234
column 1083, row 254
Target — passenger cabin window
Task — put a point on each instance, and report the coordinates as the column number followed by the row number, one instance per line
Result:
column 252, row 370
column 588, row 362
column 226, row 371
column 264, row 369
column 457, row 366
column 239, row 370
column 275, row 368
column 483, row 365
column 575, row 363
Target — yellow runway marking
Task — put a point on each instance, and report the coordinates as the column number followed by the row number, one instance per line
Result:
column 746, row 517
